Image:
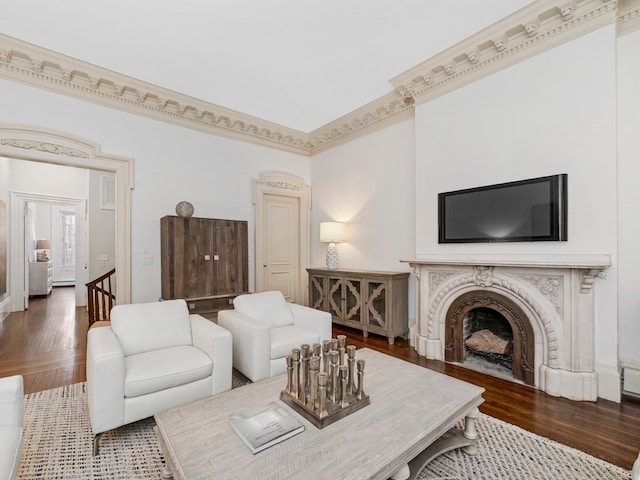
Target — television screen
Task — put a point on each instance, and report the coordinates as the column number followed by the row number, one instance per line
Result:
column 522, row 211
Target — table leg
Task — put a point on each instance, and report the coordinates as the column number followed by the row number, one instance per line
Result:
column 166, row 472
column 470, row 432
column 403, row 473
column 453, row 439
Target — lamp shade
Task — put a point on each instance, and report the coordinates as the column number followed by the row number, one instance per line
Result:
column 332, row 231
column 43, row 244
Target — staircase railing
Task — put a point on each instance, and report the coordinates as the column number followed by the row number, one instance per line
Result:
column 101, row 297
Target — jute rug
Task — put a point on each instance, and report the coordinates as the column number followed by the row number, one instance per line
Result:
column 58, row 444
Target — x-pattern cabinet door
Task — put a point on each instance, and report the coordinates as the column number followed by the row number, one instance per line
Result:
column 376, row 309
column 344, row 298
column 317, row 294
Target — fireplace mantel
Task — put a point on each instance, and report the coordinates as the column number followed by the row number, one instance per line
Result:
column 555, row 292
column 572, row 261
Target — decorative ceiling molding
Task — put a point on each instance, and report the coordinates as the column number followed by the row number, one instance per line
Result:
column 43, row 68
column 538, row 27
column 382, row 112
column 628, row 16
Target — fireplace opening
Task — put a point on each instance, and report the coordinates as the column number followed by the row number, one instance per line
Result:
column 488, row 332
column 488, row 342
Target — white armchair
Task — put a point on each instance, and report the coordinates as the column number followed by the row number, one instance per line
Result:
column 265, row 328
column 153, row 356
column 11, row 422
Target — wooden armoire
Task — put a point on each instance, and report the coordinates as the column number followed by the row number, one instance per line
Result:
column 205, row 261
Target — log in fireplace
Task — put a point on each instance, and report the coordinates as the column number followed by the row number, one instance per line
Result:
column 484, row 310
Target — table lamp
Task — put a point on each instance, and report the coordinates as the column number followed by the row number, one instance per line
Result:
column 332, row 232
column 42, row 247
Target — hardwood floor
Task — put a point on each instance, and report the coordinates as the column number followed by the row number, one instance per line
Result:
column 47, row 345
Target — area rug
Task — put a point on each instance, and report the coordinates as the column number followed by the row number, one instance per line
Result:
column 58, row 444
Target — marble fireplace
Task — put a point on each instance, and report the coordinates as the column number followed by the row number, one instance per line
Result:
column 546, row 301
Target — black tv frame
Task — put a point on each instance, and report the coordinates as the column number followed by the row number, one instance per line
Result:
column 558, row 217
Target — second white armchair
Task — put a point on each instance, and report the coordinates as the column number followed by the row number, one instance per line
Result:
column 265, row 328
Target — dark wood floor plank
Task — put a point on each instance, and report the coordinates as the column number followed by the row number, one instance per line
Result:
column 47, row 345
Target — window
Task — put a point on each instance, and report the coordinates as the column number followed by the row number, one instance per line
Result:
column 68, row 253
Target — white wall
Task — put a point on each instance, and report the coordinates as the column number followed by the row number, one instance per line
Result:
column 554, row 113
column 41, row 222
column 171, row 164
column 46, row 179
column 102, row 238
column 368, row 183
column 629, row 196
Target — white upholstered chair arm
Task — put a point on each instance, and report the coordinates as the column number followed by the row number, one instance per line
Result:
column 11, row 401
column 105, row 379
column 216, row 342
column 251, row 343
column 311, row 319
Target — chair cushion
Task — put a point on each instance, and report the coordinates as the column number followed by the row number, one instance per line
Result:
column 283, row 339
column 144, row 327
column 10, row 441
column 268, row 307
column 150, row 372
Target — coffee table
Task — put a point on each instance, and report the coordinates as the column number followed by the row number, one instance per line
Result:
column 408, row 423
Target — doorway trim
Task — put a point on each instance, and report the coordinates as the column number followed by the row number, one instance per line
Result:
column 19, row 261
column 283, row 184
column 48, row 146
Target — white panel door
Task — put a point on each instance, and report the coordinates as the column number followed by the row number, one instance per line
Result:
column 281, row 254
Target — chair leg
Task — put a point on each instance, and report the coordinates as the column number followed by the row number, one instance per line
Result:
column 96, row 443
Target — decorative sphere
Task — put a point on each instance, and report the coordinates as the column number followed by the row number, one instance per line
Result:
column 184, row 209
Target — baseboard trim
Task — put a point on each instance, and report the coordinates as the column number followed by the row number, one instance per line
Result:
column 5, row 308
column 609, row 381
column 631, row 381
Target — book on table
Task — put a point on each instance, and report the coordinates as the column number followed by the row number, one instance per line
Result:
column 264, row 427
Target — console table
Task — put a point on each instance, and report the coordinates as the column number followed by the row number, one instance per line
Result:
column 371, row 301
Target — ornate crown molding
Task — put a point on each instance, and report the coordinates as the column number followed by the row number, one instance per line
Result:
column 538, row 27
column 628, row 16
column 382, row 112
column 43, row 68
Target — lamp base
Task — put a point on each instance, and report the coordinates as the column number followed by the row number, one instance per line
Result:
column 332, row 256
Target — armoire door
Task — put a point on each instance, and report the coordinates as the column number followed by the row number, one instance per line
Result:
column 230, row 259
column 187, row 257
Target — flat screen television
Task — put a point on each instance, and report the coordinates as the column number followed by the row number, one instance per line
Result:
column 532, row 210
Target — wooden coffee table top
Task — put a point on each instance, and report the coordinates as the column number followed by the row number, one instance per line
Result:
column 411, row 407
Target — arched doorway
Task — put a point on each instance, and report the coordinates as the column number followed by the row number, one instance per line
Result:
column 40, row 145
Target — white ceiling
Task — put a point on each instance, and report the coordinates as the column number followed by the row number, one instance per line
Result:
column 299, row 63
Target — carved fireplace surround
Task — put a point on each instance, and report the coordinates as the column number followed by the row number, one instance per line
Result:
column 554, row 294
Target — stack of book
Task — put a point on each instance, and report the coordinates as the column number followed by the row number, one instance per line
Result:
column 266, row 426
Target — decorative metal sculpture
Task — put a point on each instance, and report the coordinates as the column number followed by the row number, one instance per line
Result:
column 325, row 382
